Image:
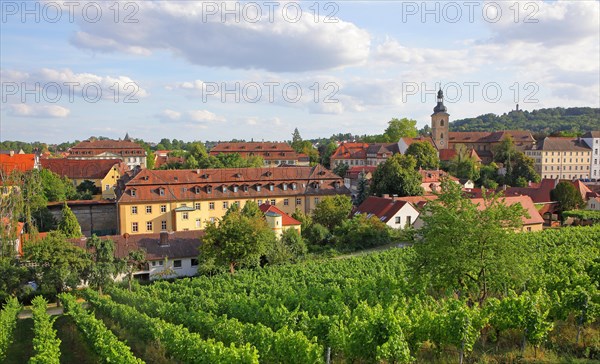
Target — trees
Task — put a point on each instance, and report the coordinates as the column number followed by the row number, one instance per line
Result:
column 105, row 266
column 400, row 128
column 325, row 152
column 238, row 240
column 362, row 190
column 463, row 165
column 56, row 188
column 567, row 196
column 87, row 189
column 295, row 243
column 68, row 223
column 134, row 261
column 341, row 169
column 425, row 154
column 332, row 211
column 468, row 248
column 397, row 175
column 60, row 264
column 296, row 140
column 520, row 169
column 361, row 232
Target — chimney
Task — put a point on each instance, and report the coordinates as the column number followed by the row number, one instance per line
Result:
column 394, row 197
column 11, row 153
column 385, row 195
column 529, row 183
column 164, row 239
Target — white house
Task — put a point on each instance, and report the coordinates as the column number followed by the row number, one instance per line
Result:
column 592, row 139
column 394, row 213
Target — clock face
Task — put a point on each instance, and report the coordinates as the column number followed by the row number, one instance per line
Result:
column 441, row 143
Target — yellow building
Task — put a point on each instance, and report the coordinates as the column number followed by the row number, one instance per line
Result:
column 180, row 200
column 561, row 158
column 103, row 172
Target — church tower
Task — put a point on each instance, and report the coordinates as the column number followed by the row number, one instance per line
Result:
column 439, row 123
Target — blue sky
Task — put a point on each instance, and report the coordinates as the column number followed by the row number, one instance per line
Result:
column 370, row 62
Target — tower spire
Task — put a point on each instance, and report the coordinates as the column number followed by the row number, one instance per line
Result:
column 440, row 107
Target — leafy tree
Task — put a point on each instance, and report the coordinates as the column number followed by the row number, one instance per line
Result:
column 88, row 188
column 295, row 243
column 278, row 253
column 488, row 175
column 13, row 277
column 425, row 154
column 316, row 234
column 59, row 264
column 296, row 140
column 520, row 169
column 105, row 266
column 400, row 128
column 361, row 232
column 341, row 169
column 362, row 190
column 56, row 188
column 463, row 165
column 238, row 240
column 68, row 224
column 468, row 248
column 524, row 168
column 135, row 260
column 251, row 210
column 325, row 152
column 567, row 196
column 332, row 211
column 397, row 176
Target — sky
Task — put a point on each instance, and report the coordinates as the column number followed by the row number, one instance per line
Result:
column 215, row 70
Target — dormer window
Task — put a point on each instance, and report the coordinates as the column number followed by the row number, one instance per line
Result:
column 208, row 189
column 245, row 188
column 196, row 189
column 284, row 186
column 294, row 186
column 235, row 188
column 161, row 191
column 133, row 193
column 258, row 188
column 224, row 189
column 271, row 187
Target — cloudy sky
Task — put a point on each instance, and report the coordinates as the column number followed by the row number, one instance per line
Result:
column 217, row 70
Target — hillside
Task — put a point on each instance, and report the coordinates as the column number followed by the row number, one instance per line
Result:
column 542, row 121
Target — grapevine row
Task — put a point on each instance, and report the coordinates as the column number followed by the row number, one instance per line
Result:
column 273, row 347
column 8, row 322
column 45, row 343
column 103, row 341
column 178, row 341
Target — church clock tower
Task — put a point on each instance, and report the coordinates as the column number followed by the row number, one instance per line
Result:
column 439, row 123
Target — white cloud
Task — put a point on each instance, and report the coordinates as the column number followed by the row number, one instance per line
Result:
column 191, row 117
column 38, row 111
column 189, row 29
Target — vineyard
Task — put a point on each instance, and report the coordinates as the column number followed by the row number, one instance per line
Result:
column 369, row 309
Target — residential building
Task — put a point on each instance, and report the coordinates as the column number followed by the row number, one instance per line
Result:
column 179, row 200
column 363, row 154
column 274, row 154
column 592, row 139
column 431, row 179
column 22, row 162
column 168, row 254
column 353, row 175
column 561, row 158
column 103, row 172
column 393, row 212
column 162, row 157
column 278, row 220
column 128, row 151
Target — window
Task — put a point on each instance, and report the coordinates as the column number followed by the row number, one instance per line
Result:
column 225, row 205
column 271, row 187
column 185, row 216
column 286, row 202
column 212, row 220
column 258, row 188
column 409, row 220
column 161, row 191
column 134, row 210
column 154, row 264
column 132, row 193
column 316, row 201
column 245, row 188
column 163, row 225
column 285, row 186
column 197, row 205
column 149, row 226
column 294, row 186
column 163, row 208
column 160, row 262
column 259, row 202
column 177, row 263
column 298, row 201
column 224, row 189
column 208, row 189
column 194, row 262
column 529, row 228
column 273, row 202
column 211, row 205
column 442, row 124
column 148, row 209
column 134, row 227
column 398, row 219
column 107, row 187
column 235, row 188
column 198, row 223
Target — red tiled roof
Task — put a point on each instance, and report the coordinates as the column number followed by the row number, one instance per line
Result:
column 562, row 144
column 383, row 208
column 286, row 220
column 519, row 136
column 164, row 159
column 181, row 244
column 266, row 150
column 429, row 176
column 82, row 168
column 19, row 162
column 539, row 193
column 351, row 151
column 525, row 201
column 419, row 139
column 355, row 171
column 184, row 185
column 583, row 190
column 95, row 147
column 447, row 154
